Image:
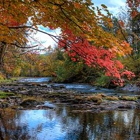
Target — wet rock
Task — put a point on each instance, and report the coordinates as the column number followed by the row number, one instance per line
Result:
column 14, row 97
column 30, row 92
column 7, row 90
column 44, row 107
column 57, row 87
column 13, row 89
column 30, row 103
column 59, row 94
column 81, row 111
column 42, row 85
column 13, row 100
column 24, row 92
column 127, row 107
column 17, row 107
column 21, row 88
column 108, row 106
column 4, row 104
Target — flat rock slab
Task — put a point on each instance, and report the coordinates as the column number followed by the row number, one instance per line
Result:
column 106, row 106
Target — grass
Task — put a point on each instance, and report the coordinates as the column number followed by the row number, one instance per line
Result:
column 8, row 81
column 5, row 94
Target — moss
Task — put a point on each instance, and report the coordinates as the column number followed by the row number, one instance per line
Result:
column 29, row 100
column 79, row 98
column 112, row 98
column 94, row 98
column 5, row 94
column 101, row 95
column 129, row 98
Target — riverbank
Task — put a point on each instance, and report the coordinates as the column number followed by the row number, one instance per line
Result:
column 33, row 96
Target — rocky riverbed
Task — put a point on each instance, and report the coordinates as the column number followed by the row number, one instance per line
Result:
column 34, row 95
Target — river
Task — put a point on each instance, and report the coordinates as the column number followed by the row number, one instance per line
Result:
column 63, row 124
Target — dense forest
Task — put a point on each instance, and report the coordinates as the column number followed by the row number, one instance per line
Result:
column 94, row 46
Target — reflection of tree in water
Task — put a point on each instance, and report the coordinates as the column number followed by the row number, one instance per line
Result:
column 105, row 126
column 8, row 128
column 122, row 125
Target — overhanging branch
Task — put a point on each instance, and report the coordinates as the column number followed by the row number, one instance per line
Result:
column 30, row 27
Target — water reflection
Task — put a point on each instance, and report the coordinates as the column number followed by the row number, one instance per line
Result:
column 62, row 124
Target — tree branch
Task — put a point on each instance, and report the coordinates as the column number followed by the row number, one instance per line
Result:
column 122, row 32
column 14, row 44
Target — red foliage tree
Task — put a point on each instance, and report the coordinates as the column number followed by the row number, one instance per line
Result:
column 80, row 48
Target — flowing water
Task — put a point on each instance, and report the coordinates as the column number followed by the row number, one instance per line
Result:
column 80, row 87
column 36, row 80
column 63, row 124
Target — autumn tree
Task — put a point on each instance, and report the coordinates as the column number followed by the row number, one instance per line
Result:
column 79, row 17
column 129, row 17
column 129, row 23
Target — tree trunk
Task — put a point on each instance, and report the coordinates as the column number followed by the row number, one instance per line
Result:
column 2, row 52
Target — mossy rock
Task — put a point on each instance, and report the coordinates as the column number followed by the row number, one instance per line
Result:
column 101, row 95
column 129, row 98
column 94, row 98
column 30, row 102
column 112, row 98
column 78, row 99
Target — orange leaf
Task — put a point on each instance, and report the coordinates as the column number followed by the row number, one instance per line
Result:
column 77, row 5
